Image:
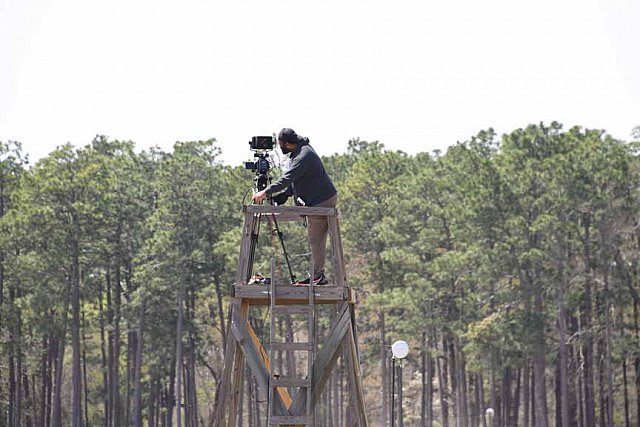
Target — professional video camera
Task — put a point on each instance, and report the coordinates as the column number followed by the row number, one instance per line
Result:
column 261, row 145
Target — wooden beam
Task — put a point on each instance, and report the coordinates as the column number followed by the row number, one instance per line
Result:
column 289, row 213
column 336, row 245
column 286, row 294
column 355, row 377
column 238, row 365
column 247, row 246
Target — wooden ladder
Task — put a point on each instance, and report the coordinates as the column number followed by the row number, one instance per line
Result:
column 302, row 382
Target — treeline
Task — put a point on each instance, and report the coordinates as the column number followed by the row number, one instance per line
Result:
column 509, row 263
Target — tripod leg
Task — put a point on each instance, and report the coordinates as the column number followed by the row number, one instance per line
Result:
column 284, row 249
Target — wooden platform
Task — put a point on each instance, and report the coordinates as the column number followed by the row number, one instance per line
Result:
column 261, row 294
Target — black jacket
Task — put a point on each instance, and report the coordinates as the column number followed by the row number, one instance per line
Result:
column 306, row 178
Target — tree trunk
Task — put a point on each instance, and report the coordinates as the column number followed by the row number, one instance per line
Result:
column 193, row 401
column 526, row 393
column 14, row 349
column 516, row 400
column 44, row 384
column 507, row 379
column 575, row 394
column 461, row 384
column 131, row 334
column 27, row 400
column 608, row 371
column 2, row 209
column 105, row 363
column 449, row 349
column 115, row 352
column 601, row 392
column 560, row 420
column 441, row 366
column 586, row 308
column 170, row 396
column 493, row 398
column 130, row 369
column 539, row 353
column 384, row 374
column 84, row 371
column 562, row 401
column 56, row 418
column 637, row 361
column 479, row 419
column 76, row 372
column 17, row 354
column 154, row 386
column 2, row 409
column 533, row 399
column 426, row 410
column 137, row 387
column 625, row 383
column 179, row 327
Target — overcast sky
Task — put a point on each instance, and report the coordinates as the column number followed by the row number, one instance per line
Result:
column 414, row 75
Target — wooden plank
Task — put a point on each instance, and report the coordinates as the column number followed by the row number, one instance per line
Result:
column 238, row 367
column 285, row 294
column 356, row 378
column 279, row 381
column 293, row 309
column 292, row 346
column 299, row 419
column 290, row 212
column 247, row 247
column 229, row 358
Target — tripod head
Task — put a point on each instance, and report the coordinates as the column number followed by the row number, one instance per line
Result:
column 261, row 166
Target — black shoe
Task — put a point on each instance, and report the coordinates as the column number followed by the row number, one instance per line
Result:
column 319, row 280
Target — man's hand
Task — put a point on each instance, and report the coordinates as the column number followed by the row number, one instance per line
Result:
column 259, row 196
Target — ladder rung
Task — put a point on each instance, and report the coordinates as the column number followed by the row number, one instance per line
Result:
column 290, row 382
column 293, row 309
column 284, row 420
column 291, row 346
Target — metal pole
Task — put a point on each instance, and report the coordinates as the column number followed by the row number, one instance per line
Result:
column 400, row 414
column 393, row 391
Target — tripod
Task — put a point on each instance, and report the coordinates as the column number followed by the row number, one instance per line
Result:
column 261, row 183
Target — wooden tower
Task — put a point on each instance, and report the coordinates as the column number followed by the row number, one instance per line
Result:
column 291, row 399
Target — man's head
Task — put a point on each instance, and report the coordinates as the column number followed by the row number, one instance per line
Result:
column 288, row 140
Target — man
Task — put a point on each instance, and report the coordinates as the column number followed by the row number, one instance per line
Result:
column 310, row 185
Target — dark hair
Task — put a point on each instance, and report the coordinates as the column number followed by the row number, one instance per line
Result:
column 288, row 135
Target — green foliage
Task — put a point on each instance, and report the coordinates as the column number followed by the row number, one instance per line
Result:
column 480, row 247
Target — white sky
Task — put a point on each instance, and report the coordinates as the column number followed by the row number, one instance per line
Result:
column 414, row 75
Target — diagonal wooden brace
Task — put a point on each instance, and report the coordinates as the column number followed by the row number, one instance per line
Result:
column 255, row 359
